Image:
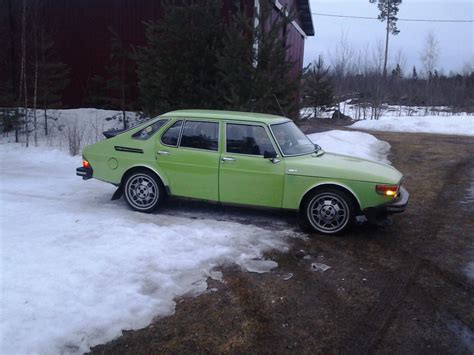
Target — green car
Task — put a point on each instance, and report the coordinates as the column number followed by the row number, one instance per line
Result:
column 243, row 158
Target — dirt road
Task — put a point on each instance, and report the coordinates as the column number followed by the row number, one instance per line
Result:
column 405, row 288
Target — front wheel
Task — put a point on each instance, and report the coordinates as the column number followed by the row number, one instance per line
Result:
column 328, row 211
column 143, row 191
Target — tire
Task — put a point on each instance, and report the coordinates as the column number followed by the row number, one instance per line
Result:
column 143, row 191
column 328, row 211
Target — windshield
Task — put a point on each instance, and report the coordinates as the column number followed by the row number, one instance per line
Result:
column 291, row 140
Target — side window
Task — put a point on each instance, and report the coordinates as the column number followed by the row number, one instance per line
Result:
column 247, row 139
column 171, row 136
column 201, row 135
column 148, row 131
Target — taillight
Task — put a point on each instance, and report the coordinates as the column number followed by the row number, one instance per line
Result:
column 85, row 164
column 387, row 190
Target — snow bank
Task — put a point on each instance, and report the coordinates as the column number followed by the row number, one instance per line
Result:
column 457, row 125
column 78, row 268
column 358, row 144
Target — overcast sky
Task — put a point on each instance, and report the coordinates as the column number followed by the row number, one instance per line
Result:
column 456, row 40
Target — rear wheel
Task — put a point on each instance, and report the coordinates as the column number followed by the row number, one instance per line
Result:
column 143, row 191
column 328, row 211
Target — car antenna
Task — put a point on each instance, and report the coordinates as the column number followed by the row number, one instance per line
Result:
column 278, row 103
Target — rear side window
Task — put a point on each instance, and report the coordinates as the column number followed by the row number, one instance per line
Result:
column 171, row 136
column 150, row 130
column 200, row 135
column 247, row 139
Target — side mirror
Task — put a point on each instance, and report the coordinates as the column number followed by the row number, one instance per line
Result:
column 269, row 155
column 317, row 147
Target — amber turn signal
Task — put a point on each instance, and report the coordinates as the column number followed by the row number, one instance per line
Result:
column 387, row 190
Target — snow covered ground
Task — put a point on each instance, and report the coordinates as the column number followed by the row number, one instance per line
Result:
column 414, row 119
column 456, row 125
column 77, row 268
column 358, row 112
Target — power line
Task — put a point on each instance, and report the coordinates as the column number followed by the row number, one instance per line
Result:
column 400, row 19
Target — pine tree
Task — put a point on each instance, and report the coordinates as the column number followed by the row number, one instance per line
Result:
column 397, row 72
column 317, row 87
column 255, row 71
column 177, row 67
column 236, row 64
column 276, row 87
column 414, row 74
column 388, row 12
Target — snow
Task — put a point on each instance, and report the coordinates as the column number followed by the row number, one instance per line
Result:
column 358, row 144
column 456, row 125
column 360, row 112
column 89, row 123
column 413, row 119
column 77, row 268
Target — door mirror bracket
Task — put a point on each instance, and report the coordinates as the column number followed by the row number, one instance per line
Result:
column 269, row 155
column 272, row 156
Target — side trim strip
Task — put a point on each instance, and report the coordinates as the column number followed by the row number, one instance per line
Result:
column 128, row 150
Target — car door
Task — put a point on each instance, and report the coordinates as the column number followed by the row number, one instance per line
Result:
column 245, row 176
column 188, row 153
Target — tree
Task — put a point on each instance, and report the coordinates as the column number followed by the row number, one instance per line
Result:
column 397, row 72
column 236, row 64
column 430, row 54
column 388, row 13
column 9, row 69
column 255, row 71
column 52, row 75
column 193, row 58
column 177, row 66
column 23, row 84
column 414, row 74
column 120, row 75
column 317, row 87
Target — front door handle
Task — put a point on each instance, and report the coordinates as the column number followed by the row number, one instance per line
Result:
column 163, row 152
column 224, row 159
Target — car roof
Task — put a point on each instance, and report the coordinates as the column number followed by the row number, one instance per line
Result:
column 227, row 115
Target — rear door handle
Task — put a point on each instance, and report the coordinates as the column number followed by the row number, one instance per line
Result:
column 224, row 159
column 163, row 152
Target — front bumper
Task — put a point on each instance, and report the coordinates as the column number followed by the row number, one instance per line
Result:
column 399, row 204
column 86, row 173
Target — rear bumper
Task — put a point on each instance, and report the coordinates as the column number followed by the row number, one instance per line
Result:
column 86, row 173
column 375, row 214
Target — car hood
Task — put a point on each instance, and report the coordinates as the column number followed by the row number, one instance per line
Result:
column 337, row 166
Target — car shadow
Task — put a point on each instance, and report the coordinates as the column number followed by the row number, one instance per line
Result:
column 269, row 219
